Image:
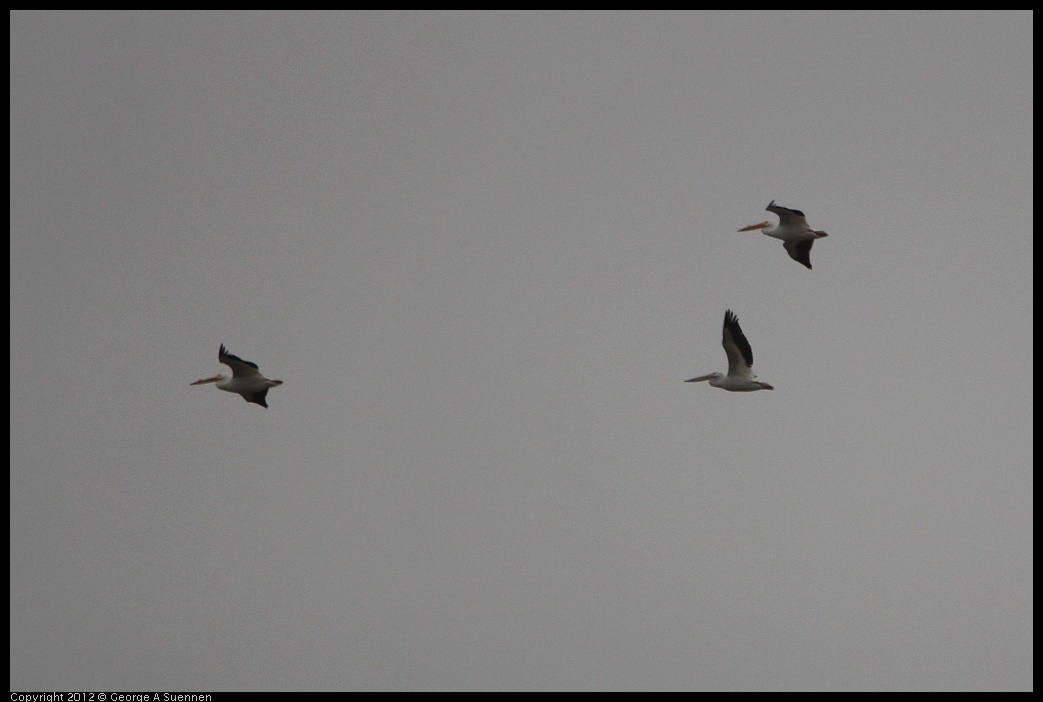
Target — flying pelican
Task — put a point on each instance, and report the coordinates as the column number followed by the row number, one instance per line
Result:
column 246, row 379
column 740, row 376
column 794, row 231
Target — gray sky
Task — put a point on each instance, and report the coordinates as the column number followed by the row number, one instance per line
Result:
column 484, row 251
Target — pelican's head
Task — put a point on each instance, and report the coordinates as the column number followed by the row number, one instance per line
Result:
column 214, row 379
column 754, row 227
column 704, row 378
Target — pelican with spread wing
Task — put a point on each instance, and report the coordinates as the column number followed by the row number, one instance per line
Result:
column 246, row 379
column 740, row 376
column 793, row 228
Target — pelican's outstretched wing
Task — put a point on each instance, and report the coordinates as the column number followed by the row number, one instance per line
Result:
column 240, row 368
column 800, row 251
column 788, row 217
column 740, row 355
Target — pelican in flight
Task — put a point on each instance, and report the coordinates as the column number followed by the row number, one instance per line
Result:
column 246, row 379
column 740, row 376
column 794, row 231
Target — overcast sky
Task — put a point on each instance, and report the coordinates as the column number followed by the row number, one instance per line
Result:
column 483, row 251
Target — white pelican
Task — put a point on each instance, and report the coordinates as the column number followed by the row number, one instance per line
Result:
column 794, row 231
column 246, row 379
column 740, row 376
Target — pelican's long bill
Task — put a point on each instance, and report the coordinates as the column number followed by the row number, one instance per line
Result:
column 246, row 379
column 740, row 376
column 793, row 228
column 702, row 378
